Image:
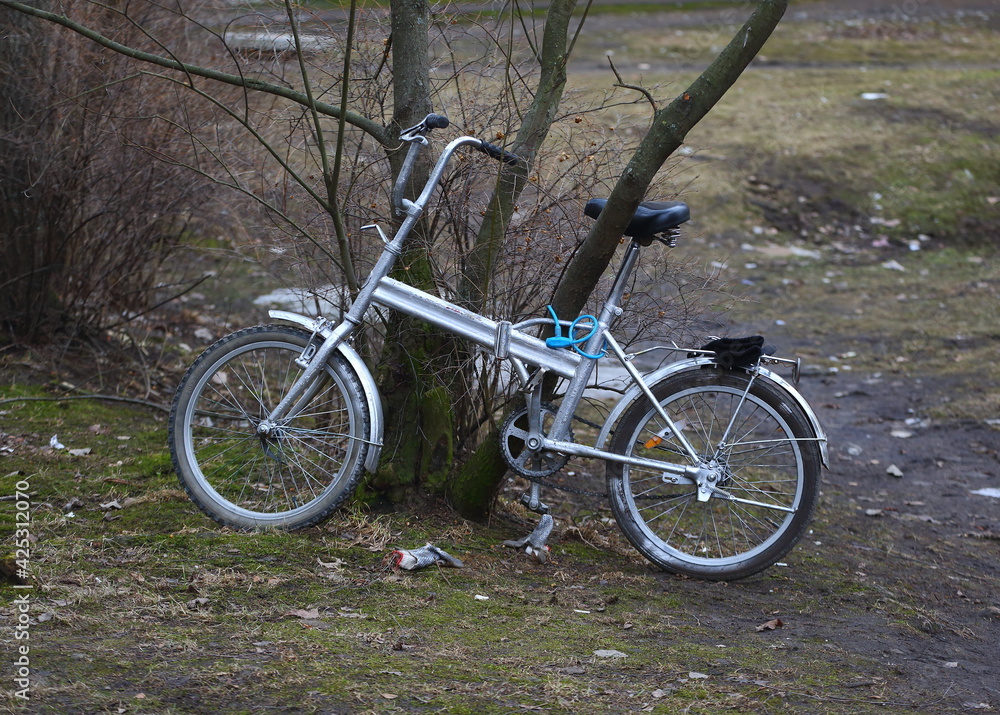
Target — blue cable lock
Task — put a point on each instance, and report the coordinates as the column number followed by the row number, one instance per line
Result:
column 558, row 341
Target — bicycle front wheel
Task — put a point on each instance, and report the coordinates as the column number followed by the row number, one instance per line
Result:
column 303, row 469
column 766, row 452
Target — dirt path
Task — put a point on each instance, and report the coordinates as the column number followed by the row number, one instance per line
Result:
column 911, row 495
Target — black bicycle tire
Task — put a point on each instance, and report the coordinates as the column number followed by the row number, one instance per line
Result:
column 778, row 405
column 184, row 453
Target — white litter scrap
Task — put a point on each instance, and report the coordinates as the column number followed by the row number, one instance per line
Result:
column 413, row 559
column 609, row 653
column 988, row 492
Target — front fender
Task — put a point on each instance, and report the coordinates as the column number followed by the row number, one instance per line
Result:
column 654, row 377
column 364, row 377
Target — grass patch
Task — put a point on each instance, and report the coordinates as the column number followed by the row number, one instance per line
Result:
column 157, row 608
column 797, row 149
column 916, row 315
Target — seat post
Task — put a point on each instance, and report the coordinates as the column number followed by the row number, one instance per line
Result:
column 612, row 306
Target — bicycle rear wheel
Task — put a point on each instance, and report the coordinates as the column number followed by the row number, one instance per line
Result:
column 298, row 474
column 769, row 458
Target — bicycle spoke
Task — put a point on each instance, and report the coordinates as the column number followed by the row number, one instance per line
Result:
column 746, row 443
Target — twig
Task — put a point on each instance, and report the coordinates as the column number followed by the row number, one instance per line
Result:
column 110, row 398
column 641, row 90
column 163, row 302
column 441, row 571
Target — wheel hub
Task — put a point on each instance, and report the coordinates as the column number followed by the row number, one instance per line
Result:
column 270, row 437
column 710, row 477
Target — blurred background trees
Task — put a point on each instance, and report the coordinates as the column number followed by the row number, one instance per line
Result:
column 87, row 219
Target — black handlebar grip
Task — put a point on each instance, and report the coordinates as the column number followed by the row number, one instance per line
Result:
column 436, row 121
column 499, row 154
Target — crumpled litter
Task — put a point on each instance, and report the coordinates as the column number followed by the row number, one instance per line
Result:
column 534, row 543
column 413, row 559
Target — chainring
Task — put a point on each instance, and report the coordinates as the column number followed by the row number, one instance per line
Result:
column 525, row 462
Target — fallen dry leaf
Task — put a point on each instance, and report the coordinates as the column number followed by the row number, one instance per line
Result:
column 302, row 613
column 771, row 625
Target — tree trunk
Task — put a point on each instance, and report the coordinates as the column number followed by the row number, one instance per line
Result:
column 478, row 479
column 553, row 57
column 670, row 126
column 474, row 483
column 419, row 429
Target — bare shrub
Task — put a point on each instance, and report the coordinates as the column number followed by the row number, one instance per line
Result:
column 87, row 218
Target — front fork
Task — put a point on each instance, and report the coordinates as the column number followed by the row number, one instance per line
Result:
column 313, row 360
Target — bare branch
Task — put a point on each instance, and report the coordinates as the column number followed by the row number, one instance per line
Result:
column 642, row 90
column 374, row 129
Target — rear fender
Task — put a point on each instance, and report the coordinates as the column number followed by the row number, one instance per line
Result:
column 634, row 393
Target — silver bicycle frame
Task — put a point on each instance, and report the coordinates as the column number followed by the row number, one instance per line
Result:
column 507, row 341
column 393, row 249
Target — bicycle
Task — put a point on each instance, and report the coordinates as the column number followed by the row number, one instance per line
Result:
column 713, row 460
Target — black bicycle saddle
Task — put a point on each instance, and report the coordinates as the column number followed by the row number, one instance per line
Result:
column 650, row 218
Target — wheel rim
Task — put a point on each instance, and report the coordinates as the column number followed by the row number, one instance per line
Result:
column 281, row 476
column 761, row 461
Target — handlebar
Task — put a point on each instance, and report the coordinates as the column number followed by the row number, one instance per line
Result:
column 417, row 132
column 436, row 121
column 416, row 136
column 495, row 152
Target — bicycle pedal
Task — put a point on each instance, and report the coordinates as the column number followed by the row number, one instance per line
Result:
column 539, row 508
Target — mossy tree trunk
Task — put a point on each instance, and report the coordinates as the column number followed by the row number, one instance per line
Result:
column 474, row 483
column 420, row 431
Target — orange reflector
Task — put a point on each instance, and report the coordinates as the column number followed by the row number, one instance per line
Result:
column 653, row 442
